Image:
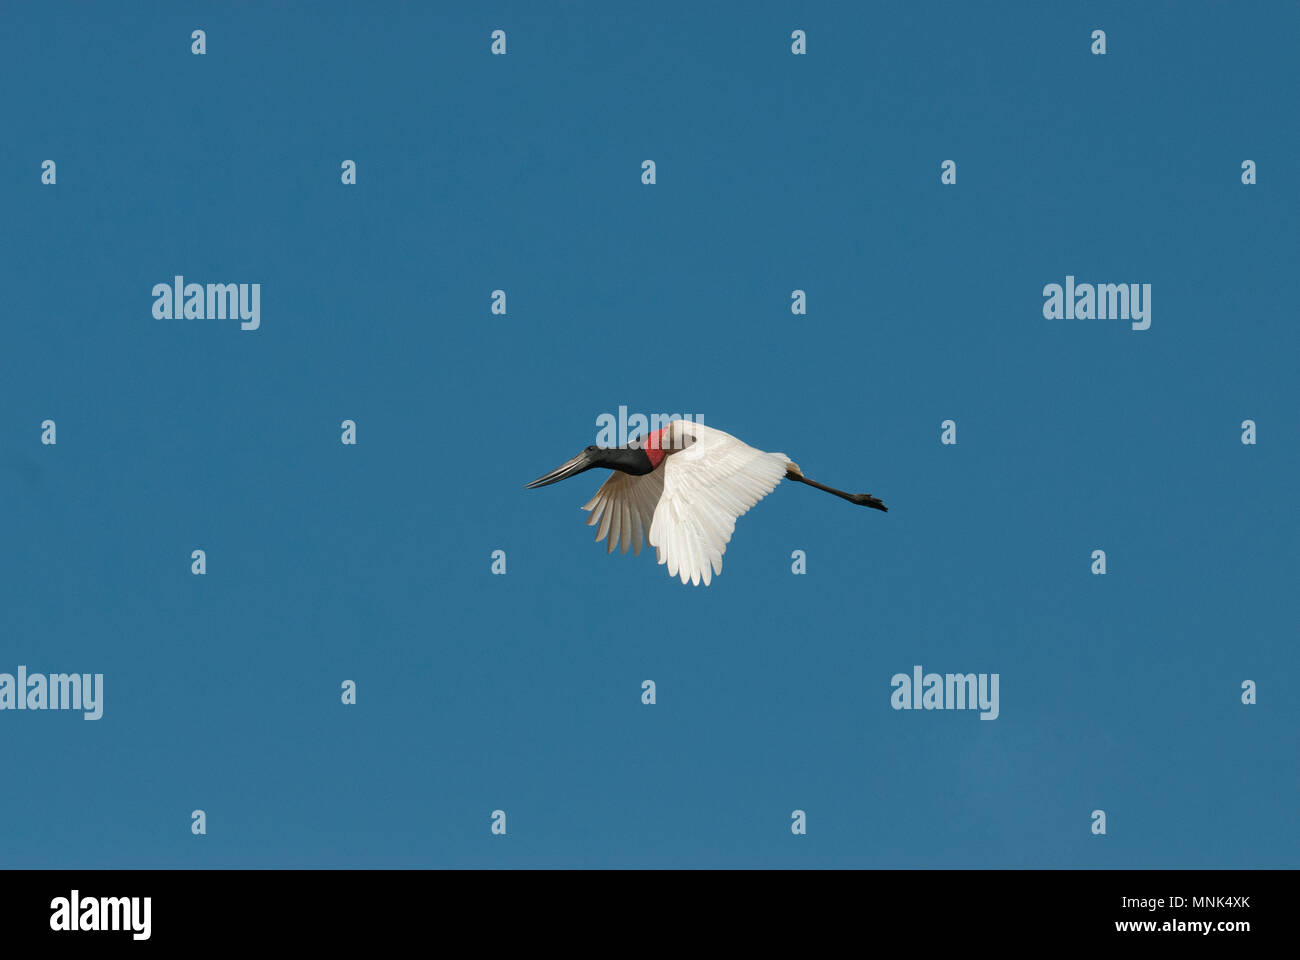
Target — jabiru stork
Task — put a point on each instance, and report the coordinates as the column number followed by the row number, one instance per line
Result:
column 682, row 488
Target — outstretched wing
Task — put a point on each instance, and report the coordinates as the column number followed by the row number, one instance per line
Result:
column 624, row 506
column 706, row 487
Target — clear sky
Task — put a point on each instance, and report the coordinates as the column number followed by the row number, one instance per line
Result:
column 775, row 173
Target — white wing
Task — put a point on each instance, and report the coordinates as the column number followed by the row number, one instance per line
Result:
column 706, row 487
column 624, row 506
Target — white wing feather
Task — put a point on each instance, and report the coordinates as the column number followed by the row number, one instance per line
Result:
column 624, row 506
column 705, row 488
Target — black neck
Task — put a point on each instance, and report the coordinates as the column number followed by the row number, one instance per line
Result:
column 631, row 460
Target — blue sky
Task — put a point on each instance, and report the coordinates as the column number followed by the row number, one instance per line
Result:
column 521, row 692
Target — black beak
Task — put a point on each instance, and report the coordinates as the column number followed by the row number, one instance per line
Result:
column 581, row 462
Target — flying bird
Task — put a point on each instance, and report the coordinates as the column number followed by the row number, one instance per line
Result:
column 681, row 488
